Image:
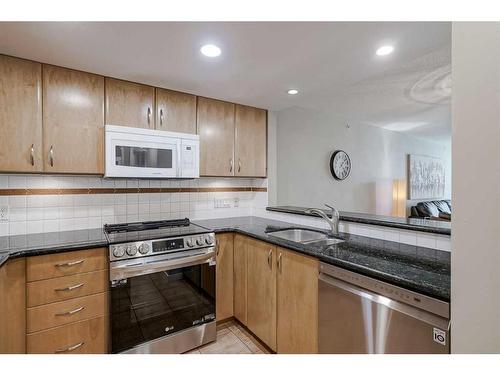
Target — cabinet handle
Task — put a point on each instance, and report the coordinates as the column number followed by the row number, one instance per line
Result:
column 70, row 264
column 231, row 162
column 161, row 116
column 239, row 165
column 69, row 288
column 51, row 156
column 149, row 115
column 32, row 155
column 280, row 263
column 216, row 247
column 67, row 313
column 70, row 348
column 270, row 258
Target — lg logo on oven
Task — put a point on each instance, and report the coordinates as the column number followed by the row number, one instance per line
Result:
column 439, row 336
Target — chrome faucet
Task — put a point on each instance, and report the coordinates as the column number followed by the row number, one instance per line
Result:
column 334, row 221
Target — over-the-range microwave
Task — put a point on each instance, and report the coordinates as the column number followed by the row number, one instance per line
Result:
column 146, row 153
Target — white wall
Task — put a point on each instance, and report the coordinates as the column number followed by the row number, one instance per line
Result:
column 475, row 271
column 305, row 142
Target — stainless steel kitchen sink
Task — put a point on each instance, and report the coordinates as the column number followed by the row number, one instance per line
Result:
column 299, row 235
column 326, row 242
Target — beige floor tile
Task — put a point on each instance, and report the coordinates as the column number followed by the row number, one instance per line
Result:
column 226, row 344
column 247, row 339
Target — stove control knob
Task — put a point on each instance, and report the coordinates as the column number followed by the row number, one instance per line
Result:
column 131, row 250
column 119, row 251
column 144, row 248
column 199, row 241
column 189, row 242
column 209, row 240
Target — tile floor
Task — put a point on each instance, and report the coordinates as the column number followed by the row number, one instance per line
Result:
column 232, row 338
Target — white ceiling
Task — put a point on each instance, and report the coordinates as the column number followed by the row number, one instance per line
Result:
column 332, row 64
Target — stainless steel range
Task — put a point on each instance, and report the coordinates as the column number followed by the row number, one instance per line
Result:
column 162, row 277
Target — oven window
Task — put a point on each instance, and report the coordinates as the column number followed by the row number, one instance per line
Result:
column 143, row 157
column 147, row 307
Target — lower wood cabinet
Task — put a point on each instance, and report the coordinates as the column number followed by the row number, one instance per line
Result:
column 224, row 281
column 276, row 295
column 84, row 337
column 13, row 307
column 261, row 291
column 297, row 303
column 67, row 302
column 240, row 278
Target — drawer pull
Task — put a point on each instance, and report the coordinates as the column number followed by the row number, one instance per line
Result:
column 70, row 264
column 68, row 313
column 69, row 288
column 70, row 348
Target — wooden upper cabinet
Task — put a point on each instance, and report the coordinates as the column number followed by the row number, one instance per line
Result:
column 175, row 111
column 216, row 130
column 20, row 115
column 73, row 121
column 129, row 104
column 297, row 324
column 261, row 290
column 250, row 140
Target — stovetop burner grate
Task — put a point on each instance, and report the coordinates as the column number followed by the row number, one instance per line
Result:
column 146, row 225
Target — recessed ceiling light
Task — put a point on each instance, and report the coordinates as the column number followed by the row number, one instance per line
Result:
column 293, row 92
column 385, row 50
column 210, row 50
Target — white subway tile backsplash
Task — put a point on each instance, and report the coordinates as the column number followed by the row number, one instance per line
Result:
column 408, row 237
column 17, row 214
column 34, row 213
column 17, row 201
column 4, row 182
column 17, row 227
column 17, row 182
column 35, row 226
column 426, row 240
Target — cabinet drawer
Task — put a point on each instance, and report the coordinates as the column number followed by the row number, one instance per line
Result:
column 67, row 287
column 71, row 311
column 64, row 264
column 85, row 337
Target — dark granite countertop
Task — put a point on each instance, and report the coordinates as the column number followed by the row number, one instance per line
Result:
column 45, row 243
column 419, row 269
column 421, row 225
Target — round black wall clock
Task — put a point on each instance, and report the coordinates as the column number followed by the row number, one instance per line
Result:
column 340, row 165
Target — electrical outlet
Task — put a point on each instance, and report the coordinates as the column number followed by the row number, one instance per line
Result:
column 222, row 203
column 236, row 202
column 4, row 213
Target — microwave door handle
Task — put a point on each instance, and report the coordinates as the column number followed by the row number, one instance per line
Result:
column 179, row 159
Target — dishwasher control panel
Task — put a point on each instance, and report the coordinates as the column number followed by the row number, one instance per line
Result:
column 421, row 301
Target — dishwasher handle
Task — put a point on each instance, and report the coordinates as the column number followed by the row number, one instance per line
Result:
column 414, row 312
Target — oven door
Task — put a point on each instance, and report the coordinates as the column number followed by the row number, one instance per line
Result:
column 152, row 308
column 138, row 155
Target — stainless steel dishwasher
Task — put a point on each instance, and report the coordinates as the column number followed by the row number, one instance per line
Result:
column 358, row 314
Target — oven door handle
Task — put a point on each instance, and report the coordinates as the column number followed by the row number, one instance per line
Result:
column 120, row 272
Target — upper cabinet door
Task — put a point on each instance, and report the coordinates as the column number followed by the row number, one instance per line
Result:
column 216, row 130
column 250, row 141
column 73, row 121
column 129, row 104
column 20, row 115
column 175, row 111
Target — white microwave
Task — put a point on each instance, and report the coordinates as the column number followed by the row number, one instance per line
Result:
column 146, row 153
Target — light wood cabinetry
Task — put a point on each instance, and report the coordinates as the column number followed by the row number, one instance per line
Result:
column 297, row 296
column 73, row 121
column 129, row 104
column 65, row 264
column 67, row 302
column 175, row 111
column 20, row 115
column 65, row 312
column 216, row 129
column 261, row 290
column 224, row 272
column 240, row 278
column 84, row 337
column 13, row 307
column 250, row 149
